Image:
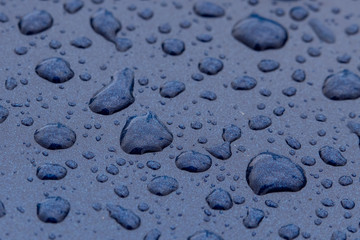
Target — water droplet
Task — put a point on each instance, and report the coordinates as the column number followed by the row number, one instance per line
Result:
column 21, row 50
column 271, row 204
column 210, row 66
column 323, row 32
column 164, row 28
column 259, row 122
column 219, row 199
column 35, row 22
column 293, row 143
column 142, row 134
column 338, row 235
column 125, row 217
column 231, row 133
column 308, row 161
column 332, row 156
column 243, row 83
column 345, row 181
column 104, row 23
column 326, row 183
column 123, row 44
column 116, row 96
column 173, row 46
column 192, row 161
column 279, row 111
column 347, row 204
column 146, row 14
column 28, row 121
column 171, row 89
column 153, row 165
column 352, row 29
column 289, row 232
column 220, row 151
column 163, row 185
column 269, row 172
column 55, row 44
column 3, row 17
column 204, row 235
column 55, row 70
column 260, row 33
column 153, row 234
column 73, row 6
column 289, row 92
column 71, row 164
column 353, row 126
column 204, row 38
column 55, row 136
column 53, row 209
column 268, row 65
column 298, row 13
column 344, row 85
column 10, row 83
column 122, row 191
column 208, row 9
column 253, row 218
column 2, row 209
column 49, row 171
column 81, row 42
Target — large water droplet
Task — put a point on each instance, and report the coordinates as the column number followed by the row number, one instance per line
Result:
column 260, row 33
column 55, row 70
column 116, row 96
column 269, row 172
column 35, row 22
column 146, row 133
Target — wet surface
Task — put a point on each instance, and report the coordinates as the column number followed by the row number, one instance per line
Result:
column 188, row 119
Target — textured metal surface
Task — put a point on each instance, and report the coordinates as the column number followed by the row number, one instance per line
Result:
column 177, row 215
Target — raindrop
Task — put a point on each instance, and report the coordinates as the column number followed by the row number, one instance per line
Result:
column 210, row 66
column 344, row 85
column 323, row 32
column 116, row 96
column 192, row 161
column 35, row 22
column 260, row 33
column 173, row 46
column 51, row 171
column 125, row 217
column 269, row 172
column 145, row 133
column 208, row 9
column 55, row 70
column 332, row 156
column 171, row 89
column 55, row 136
column 219, row 199
column 53, row 209
column 163, row 185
